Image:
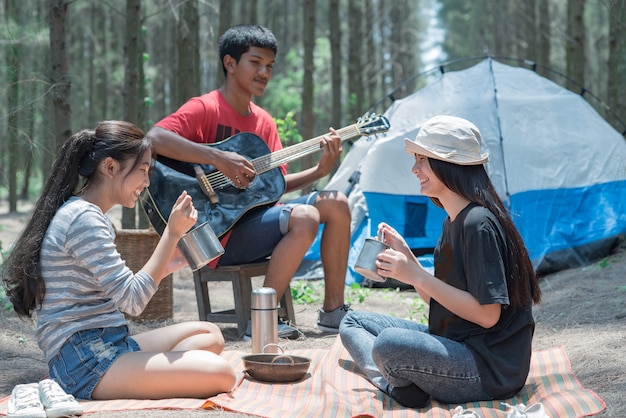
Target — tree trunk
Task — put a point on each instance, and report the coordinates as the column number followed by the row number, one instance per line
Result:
column 48, row 141
column 252, row 13
column 503, row 35
column 102, row 74
column 396, row 14
column 60, row 79
column 386, row 83
column 28, row 168
column 335, row 65
column 355, row 58
column 13, row 95
column 575, row 42
column 307, row 119
column 159, row 80
column 170, row 67
column 373, row 66
column 142, row 219
column 617, row 63
column 409, row 33
column 188, row 76
column 226, row 18
column 28, row 120
column 528, row 33
column 94, row 16
column 544, row 37
column 132, row 58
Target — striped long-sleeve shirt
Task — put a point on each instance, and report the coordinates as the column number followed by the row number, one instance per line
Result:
column 88, row 285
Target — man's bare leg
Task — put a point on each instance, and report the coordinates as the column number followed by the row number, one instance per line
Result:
column 288, row 254
column 335, row 245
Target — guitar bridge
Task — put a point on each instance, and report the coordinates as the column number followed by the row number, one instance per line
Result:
column 205, row 185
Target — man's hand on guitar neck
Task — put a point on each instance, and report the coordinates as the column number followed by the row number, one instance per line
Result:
column 331, row 151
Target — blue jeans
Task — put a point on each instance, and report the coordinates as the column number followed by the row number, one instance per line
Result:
column 257, row 233
column 86, row 356
column 394, row 352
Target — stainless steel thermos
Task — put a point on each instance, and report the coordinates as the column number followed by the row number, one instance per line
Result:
column 264, row 320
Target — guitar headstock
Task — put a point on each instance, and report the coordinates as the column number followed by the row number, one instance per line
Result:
column 372, row 124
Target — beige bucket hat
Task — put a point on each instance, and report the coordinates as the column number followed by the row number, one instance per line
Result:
column 448, row 138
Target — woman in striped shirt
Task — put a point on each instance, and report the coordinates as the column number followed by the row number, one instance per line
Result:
column 66, row 269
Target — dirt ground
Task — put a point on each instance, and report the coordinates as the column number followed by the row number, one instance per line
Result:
column 583, row 309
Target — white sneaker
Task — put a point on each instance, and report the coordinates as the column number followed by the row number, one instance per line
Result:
column 25, row 402
column 57, row 403
column 521, row 411
column 459, row 412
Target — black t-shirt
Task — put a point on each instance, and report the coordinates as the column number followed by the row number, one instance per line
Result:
column 471, row 256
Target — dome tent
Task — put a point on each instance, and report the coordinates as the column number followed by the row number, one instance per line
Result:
column 557, row 164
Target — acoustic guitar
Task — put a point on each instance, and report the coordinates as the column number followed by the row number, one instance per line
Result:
column 218, row 201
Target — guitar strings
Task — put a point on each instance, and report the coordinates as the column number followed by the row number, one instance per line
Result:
column 270, row 161
column 280, row 157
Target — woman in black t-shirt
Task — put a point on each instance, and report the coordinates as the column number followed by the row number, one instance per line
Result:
column 477, row 344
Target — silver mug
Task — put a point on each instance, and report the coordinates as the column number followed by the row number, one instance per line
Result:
column 365, row 264
column 200, row 246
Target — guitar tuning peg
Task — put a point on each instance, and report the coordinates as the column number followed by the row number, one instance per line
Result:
column 365, row 117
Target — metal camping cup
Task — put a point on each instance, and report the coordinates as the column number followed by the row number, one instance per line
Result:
column 369, row 253
column 200, row 246
column 264, row 320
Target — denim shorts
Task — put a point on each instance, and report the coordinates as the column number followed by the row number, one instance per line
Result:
column 258, row 232
column 87, row 355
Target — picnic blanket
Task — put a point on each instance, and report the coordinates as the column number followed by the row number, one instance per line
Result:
column 334, row 388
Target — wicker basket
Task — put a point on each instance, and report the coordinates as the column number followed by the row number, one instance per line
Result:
column 136, row 246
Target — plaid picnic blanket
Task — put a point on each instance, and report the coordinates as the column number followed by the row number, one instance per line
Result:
column 333, row 388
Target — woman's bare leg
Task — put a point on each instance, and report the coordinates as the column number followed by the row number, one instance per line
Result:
column 180, row 360
column 191, row 335
column 179, row 374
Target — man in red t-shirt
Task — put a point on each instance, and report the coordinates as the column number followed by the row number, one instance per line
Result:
column 284, row 232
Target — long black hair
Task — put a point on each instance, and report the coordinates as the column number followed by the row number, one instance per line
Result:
column 75, row 168
column 473, row 183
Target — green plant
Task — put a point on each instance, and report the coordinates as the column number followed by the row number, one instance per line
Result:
column 304, row 291
column 356, row 294
column 288, row 129
column 604, row 263
column 417, row 310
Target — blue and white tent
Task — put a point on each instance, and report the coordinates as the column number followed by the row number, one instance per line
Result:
column 556, row 163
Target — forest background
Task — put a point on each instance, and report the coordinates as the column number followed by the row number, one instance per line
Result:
column 65, row 65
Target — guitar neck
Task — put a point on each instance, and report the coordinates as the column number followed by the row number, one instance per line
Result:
column 270, row 161
column 276, row 159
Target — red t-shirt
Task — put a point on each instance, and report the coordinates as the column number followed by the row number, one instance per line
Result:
column 210, row 118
